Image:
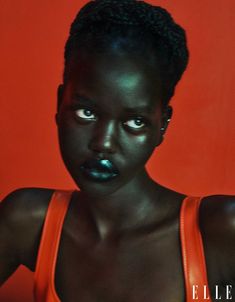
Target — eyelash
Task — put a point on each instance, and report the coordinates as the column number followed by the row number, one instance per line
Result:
column 85, row 110
column 139, row 121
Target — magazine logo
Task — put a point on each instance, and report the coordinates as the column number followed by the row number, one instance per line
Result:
column 221, row 292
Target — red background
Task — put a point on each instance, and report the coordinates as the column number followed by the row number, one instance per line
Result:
column 197, row 156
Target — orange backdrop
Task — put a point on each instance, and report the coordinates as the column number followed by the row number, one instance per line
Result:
column 197, row 156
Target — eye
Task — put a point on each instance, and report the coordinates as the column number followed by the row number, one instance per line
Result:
column 85, row 114
column 136, row 123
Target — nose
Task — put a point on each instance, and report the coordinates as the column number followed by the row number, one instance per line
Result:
column 104, row 139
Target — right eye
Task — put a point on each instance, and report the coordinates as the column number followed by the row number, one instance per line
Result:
column 85, row 114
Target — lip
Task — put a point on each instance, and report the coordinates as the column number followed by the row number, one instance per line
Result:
column 100, row 170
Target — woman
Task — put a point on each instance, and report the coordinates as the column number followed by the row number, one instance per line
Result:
column 122, row 237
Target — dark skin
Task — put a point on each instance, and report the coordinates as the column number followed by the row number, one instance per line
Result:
column 120, row 239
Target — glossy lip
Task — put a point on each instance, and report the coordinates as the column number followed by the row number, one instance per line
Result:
column 100, row 170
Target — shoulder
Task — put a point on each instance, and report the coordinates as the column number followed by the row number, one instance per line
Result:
column 217, row 213
column 217, row 223
column 22, row 214
column 25, row 205
column 26, row 198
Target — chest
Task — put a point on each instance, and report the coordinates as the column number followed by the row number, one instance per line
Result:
column 143, row 268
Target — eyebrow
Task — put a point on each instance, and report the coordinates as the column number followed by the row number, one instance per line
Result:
column 84, row 100
column 77, row 97
column 139, row 109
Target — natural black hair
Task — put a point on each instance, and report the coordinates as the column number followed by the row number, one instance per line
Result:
column 135, row 27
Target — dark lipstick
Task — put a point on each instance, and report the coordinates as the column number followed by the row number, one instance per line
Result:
column 100, row 170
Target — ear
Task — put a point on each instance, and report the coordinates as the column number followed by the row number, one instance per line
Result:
column 60, row 91
column 166, row 117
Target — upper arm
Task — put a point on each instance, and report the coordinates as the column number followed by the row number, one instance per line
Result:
column 9, row 259
column 217, row 221
column 21, row 218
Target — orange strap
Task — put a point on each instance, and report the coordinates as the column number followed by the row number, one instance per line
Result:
column 191, row 243
column 44, row 289
column 194, row 264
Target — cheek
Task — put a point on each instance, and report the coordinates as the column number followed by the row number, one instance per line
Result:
column 138, row 149
column 72, row 140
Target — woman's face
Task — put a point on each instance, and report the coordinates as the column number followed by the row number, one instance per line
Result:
column 109, row 120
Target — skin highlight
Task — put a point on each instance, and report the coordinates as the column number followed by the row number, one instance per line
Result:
column 113, row 105
column 120, row 239
column 113, row 136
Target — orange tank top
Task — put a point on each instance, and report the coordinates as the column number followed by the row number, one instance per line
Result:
column 191, row 245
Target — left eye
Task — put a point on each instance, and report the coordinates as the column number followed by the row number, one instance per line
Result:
column 136, row 123
column 86, row 114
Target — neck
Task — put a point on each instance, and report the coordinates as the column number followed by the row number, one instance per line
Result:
column 126, row 209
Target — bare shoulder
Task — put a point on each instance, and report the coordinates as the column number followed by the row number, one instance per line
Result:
column 217, row 223
column 22, row 214
column 27, row 200
column 217, row 213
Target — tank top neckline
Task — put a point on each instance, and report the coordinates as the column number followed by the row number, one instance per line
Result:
column 184, row 247
column 52, row 277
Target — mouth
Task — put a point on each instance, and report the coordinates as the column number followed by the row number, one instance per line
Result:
column 100, row 170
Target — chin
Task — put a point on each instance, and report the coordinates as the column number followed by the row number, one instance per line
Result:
column 98, row 187
column 97, row 190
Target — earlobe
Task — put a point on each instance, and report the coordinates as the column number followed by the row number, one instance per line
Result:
column 166, row 118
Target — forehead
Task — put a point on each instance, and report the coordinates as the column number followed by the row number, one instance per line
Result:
column 114, row 77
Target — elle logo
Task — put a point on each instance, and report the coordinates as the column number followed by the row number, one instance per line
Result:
column 220, row 293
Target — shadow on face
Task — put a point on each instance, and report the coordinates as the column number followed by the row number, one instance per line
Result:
column 110, row 108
